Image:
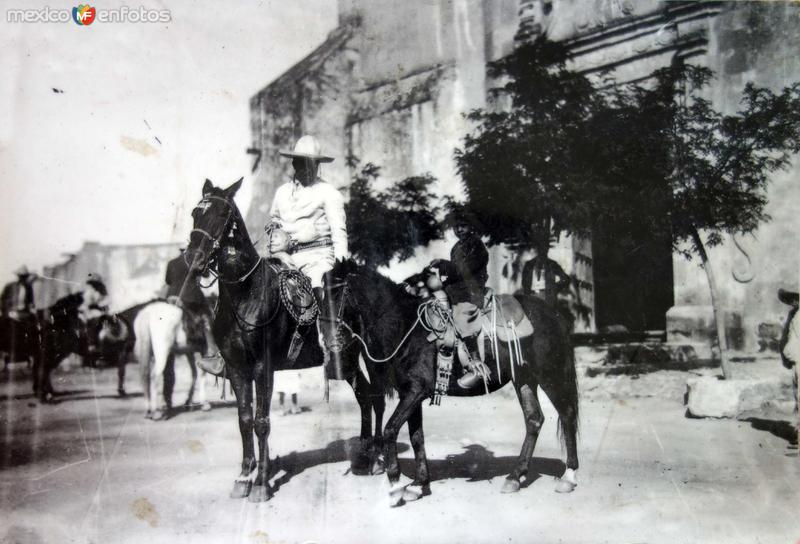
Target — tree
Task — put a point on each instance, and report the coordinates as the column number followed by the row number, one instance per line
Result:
column 388, row 224
column 525, row 173
column 716, row 167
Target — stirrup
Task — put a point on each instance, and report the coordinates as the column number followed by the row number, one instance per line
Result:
column 469, row 380
column 212, row 364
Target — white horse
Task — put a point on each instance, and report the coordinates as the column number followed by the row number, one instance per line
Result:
column 160, row 335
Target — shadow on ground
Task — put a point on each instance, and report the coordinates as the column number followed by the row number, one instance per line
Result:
column 781, row 429
column 477, row 464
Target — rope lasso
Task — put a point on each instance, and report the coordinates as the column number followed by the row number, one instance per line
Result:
column 418, row 321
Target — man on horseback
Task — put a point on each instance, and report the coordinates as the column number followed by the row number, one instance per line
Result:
column 183, row 289
column 92, row 311
column 17, row 296
column 464, row 278
column 307, row 227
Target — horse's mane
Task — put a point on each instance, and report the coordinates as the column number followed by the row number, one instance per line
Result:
column 382, row 292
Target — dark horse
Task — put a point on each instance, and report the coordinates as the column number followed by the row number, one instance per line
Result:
column 63, row 333
column 112, row 343
column 385, row 316
column 254, row 330
column 19, row 338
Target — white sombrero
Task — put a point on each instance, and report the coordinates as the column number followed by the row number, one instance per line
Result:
column 307, row 147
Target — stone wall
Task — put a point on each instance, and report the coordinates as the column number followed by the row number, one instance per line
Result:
column 391, row 83
column 753, row 42
column 132, row 273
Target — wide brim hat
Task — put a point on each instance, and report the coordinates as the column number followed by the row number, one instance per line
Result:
column 95, row 278
column 22, row 271
column 307, row 147
column 789, row 297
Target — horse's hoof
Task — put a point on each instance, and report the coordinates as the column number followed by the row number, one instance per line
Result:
column 206, row 407
column 510, row 486
column 378, row 467
column 122, row 394
column 148, row 415
column 565, row 486
column 415, row 491
column 241, row 489
column 259, row 493
column 396, row 497
column 360, row 465
column 158, row 415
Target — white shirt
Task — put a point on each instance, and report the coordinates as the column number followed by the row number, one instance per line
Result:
column 310, row 213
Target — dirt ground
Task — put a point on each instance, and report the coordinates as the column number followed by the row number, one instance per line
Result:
column 91, row 469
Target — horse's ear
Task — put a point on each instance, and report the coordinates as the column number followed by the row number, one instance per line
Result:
column 230, row 191
column 207, row 187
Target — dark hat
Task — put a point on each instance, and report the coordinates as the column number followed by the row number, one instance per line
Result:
column 788, row 297
column 460, row 216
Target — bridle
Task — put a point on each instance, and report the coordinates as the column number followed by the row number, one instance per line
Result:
column 216, row 243
column 421, row 309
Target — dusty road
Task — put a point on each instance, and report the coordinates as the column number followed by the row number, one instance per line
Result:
column 92, row 469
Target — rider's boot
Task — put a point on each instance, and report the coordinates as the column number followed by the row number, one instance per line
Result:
column 211, row 361
column 332, row 362
column 471, row 376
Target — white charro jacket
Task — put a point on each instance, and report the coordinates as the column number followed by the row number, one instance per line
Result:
column 311, row 213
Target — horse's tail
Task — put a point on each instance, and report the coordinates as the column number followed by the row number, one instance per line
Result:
column 558, row 370
column 143, row 348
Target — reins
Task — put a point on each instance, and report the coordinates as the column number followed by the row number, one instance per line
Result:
column 421, row 309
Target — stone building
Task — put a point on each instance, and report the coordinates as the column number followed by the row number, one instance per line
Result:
column 391, row 82
column 132, row 273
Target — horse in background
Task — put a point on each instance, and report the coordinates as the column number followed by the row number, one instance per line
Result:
column 19, row 339
column 63, row 334
column 385, row 317
column 111, row 344
column 160, row 336
column 790, row 346
column 255, row 328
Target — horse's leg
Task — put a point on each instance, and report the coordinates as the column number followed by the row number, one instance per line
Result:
column 202, row 398
column 360, row 461
column 422, row 482
column 409, row 402
column 564, row 397
column 378, row 402
column 157, row 385
column 264, row 384
column 193, row 368
column 243, row 390
column 121, row 360
column 534, row 419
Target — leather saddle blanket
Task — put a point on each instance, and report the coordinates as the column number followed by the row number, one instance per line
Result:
column 502, row 317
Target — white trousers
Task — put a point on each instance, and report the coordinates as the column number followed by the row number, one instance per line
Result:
column 313, row 263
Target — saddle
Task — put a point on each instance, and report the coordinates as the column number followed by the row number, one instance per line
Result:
column 502, row 318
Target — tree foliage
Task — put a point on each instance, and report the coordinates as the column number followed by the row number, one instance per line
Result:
column 524, row 170
column 391, row 223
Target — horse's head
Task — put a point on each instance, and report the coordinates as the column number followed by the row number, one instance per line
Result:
column 213, row 218
column 339, row 312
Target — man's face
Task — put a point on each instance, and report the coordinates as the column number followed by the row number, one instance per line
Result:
column 461, row 230
column 305, row 170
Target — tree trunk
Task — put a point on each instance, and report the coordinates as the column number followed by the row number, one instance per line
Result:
column 719, row 318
